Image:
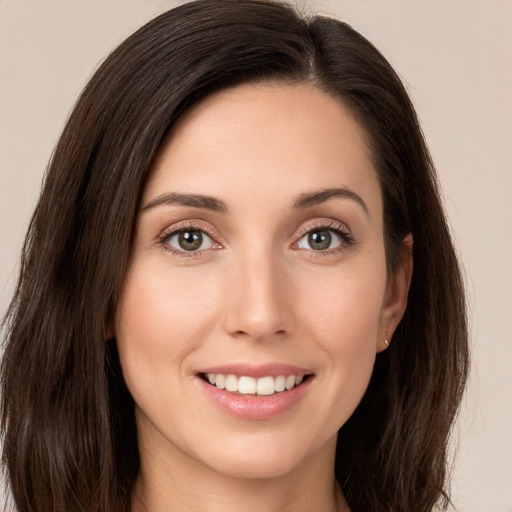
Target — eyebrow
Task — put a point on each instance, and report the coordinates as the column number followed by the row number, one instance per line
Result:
column 306, row 200
column 315, row 198
column 194, row 200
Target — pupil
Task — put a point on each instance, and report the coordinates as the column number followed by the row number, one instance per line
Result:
column 319, row 240
column 190, row 240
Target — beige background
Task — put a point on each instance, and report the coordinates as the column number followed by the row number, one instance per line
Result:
column 456, row 59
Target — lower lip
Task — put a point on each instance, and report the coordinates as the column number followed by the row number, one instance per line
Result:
column 251, row 407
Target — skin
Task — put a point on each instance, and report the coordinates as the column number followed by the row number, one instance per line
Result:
column 255, row 291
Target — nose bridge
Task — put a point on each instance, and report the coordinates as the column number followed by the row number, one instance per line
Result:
column 257, row 307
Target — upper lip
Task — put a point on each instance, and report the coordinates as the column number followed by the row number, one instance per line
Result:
column 256, row 371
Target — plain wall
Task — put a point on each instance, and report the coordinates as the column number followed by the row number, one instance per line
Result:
column 455, row 57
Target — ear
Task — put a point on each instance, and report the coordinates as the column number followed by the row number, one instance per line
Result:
column 397, row 290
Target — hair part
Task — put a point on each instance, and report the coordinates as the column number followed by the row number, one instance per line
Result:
column 66, row 416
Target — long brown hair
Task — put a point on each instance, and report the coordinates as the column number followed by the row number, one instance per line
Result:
column 66, row 416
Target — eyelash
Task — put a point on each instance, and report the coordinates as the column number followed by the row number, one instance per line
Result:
column 337, row 228
column 163, row 239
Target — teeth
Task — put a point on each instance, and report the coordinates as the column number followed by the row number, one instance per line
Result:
column 249, row 385
column 280, row 383
column 220, row 380
column 266, row 386
column 231, row 383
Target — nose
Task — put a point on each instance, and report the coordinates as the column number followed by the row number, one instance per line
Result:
column 258, row 298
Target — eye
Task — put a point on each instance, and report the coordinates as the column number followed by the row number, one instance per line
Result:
column 189, row 240
column 321, row 239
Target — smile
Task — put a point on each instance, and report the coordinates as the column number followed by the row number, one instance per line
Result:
column 246, row 385
column 250, row 392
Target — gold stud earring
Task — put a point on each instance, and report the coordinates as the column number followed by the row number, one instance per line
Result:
column 386, row 339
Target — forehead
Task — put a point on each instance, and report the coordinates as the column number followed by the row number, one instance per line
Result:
column 255, row 137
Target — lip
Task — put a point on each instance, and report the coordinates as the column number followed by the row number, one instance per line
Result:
column 251, row 407
column 256, row 371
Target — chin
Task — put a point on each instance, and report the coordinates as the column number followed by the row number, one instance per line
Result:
column 264, row 458
column 256, row 467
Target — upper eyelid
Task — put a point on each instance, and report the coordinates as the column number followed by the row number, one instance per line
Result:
column 328, row 224
column 193, row 225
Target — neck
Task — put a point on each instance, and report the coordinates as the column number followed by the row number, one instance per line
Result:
column 249, row 496
column 171, row 482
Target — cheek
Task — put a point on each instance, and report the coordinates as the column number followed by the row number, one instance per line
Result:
column 343, row 316
column 158, row 304
column 161, row 318
column 345, row 306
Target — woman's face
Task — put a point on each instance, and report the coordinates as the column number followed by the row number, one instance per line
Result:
column 258, row 262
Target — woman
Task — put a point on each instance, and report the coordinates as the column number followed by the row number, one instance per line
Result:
column 217, row 306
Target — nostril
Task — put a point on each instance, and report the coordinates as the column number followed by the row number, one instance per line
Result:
column 257, row 335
